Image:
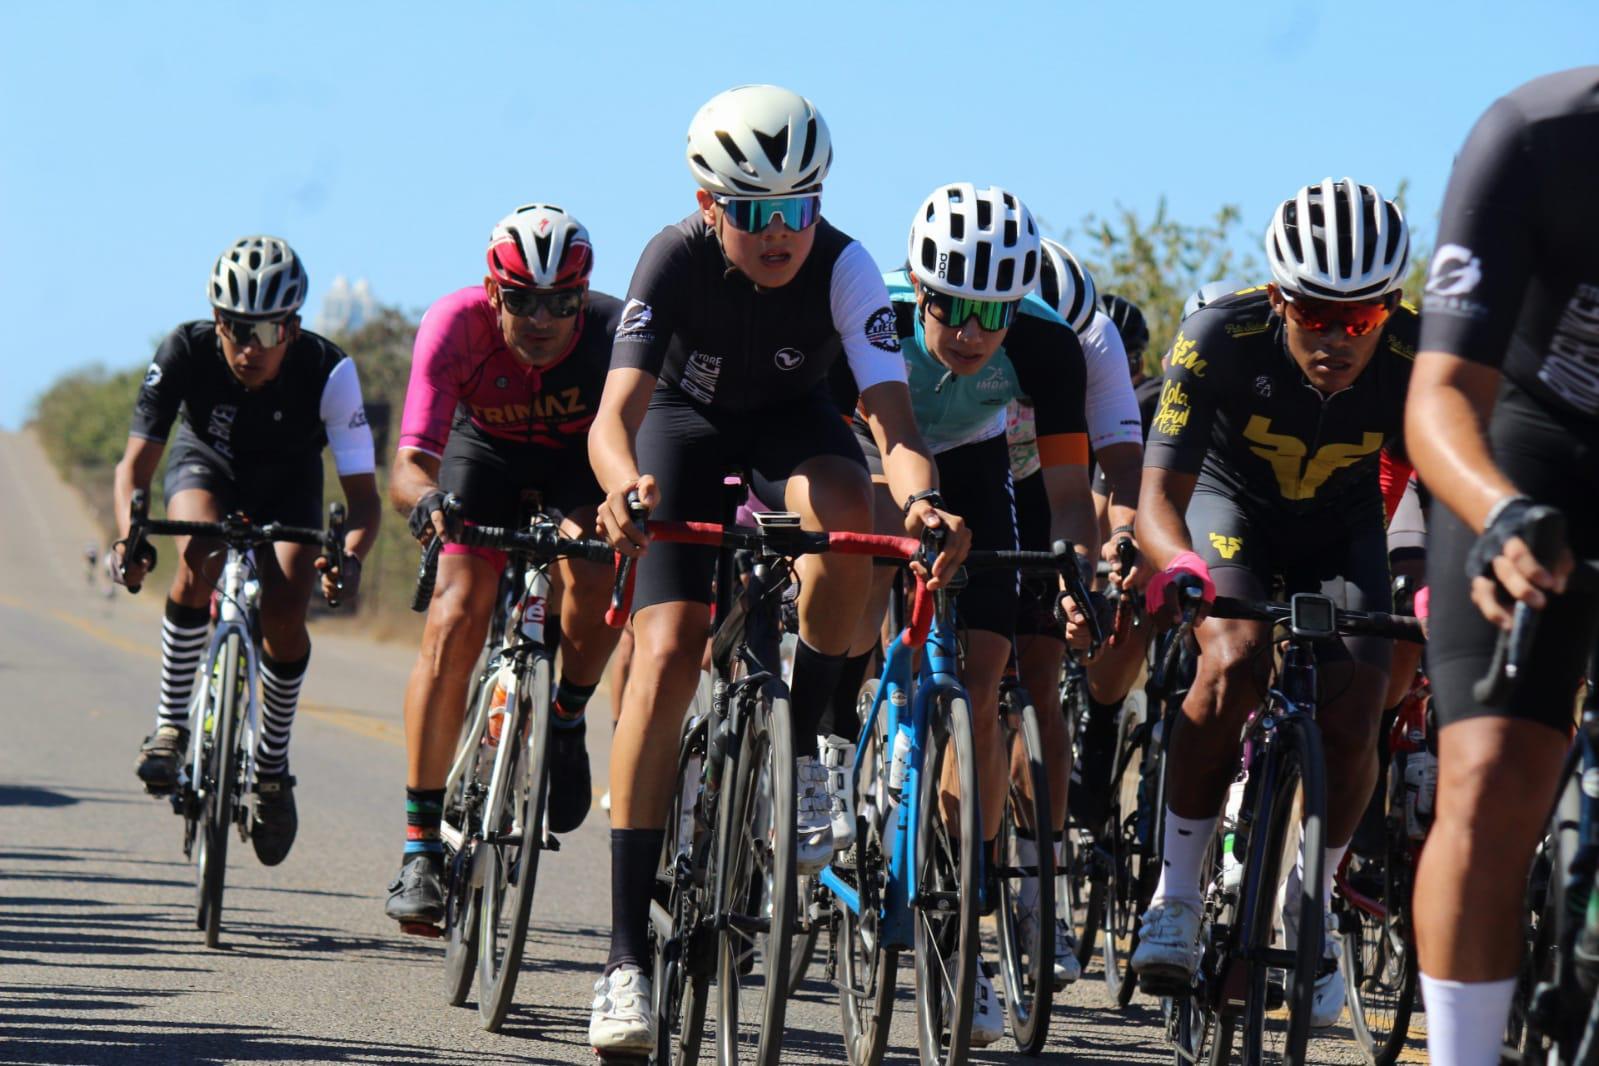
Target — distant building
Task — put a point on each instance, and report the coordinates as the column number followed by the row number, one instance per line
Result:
column 345, row 307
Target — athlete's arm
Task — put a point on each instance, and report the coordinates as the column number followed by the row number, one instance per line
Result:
column 363, row 512
column 613, row 454
column 1179, row 437
column 909, row 467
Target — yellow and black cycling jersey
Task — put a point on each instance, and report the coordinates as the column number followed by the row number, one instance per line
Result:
column 1236, row 410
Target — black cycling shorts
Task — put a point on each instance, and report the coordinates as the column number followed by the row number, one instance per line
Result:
column 502, row 482
column 689, row 449
column 1035, row 607
column 287, row 490
column 1341, row 553
column 975, row 481
column 1551, row 457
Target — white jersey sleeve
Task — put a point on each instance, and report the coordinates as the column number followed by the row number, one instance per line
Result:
column 1110, row 406
column 344, row 418
column 865, row 319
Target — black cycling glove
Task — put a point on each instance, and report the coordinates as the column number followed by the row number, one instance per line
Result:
column 1516, row 517
column 421, row 520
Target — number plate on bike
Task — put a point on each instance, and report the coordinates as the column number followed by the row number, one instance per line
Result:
column 1312, row 616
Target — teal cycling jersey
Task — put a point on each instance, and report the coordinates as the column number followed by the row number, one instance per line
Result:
column 1040, row 363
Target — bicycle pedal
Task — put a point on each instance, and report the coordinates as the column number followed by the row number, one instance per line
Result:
column 422, row 929
column 160, row 791
column 551, row 842
column 621, row 1058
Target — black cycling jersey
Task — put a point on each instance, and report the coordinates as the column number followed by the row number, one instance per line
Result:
column 1236, row 409
column 1515, row 280
column 707, row 332
column 1147, row 393
column 314, row 395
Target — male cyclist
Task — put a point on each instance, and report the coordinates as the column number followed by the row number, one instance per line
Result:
column 1504, row 416
column 260, row 398
column 505, row 380
column 1262, row 462
column 732, row 321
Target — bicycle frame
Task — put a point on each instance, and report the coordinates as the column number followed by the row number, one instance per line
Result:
column 238, row 594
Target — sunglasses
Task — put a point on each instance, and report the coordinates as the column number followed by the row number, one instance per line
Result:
column 525, row 303
column 1331, row 316
column 953, row 311
column 265, row 333
column 754, row 215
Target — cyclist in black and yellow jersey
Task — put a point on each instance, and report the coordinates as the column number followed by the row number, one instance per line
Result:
column 1262, row 462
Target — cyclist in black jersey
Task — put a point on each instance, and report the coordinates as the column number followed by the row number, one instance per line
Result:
column 1262, row 462
column 1503, row 416
column 260, row 399
column 731, row 323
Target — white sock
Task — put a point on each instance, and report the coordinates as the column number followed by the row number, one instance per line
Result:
column 1466, row 1019
column 1290, row 895
column 1183, row 847
column 1027, row 890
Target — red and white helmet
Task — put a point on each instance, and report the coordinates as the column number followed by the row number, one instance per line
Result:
column 540, row 246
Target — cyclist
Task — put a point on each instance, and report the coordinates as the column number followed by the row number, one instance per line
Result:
column 505, row 380
column 260, row 398
column 1504, row 414
column 732, row 320
column 1262, row 461
column 973, row 339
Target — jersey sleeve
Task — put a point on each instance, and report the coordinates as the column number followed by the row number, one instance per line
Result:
column 162, row 392
column 1485, row 242
column 654, row 305
column 1051, row 372
column 864, row 319
column 432, row 393
column 344, row 419
column 1179, row 434
column 1110, row 406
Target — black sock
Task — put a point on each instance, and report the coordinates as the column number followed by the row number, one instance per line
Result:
column 424, row 811
column 635, row 853
column 570, row 703
column 840, row 718
column 810, row 693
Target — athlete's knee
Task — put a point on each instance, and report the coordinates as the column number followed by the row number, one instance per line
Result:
column 1229, row 677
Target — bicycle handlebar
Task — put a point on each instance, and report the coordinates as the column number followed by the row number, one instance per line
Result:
column 542, row 543
column 1347, row 623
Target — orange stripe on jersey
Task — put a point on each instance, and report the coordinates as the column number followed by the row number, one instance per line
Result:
column 1063, row 449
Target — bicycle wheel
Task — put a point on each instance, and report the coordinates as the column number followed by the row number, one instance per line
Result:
column 1127, row 883
column 219, row 769
column 1292, row 766
column 946, row 858
column 1028, row 961
column 755, row 885
column 1535, row 1027
column 462, row 899
column 513, row 839
column 1077, row 876
column 677, row 941
column 1379, row 956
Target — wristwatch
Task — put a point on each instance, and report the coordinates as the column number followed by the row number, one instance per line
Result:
column 932, row 496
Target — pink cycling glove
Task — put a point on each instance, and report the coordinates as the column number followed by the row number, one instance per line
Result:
column 1183, row 563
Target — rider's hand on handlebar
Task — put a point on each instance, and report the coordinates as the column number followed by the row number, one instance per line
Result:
column 957, row 540
column 1161, row 597
column 340, row 582
column 1138, row 577
column 428, row 518
column 136, row 571
column 1522, row 578
column 615, row 522
column 1079, row 636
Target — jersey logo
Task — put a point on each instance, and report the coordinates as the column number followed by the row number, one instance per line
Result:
column 220, row 428
column 1185, row 353
column 880, row 331
column 502, row 382
column 152, row 377
column 358, row 419
column 1263, row 386
column 1226, row 547
column 1572, row 368
column 1454, row 272
column 550, row 405
column 1172, row 415
column 1298, row 479
column 636, row 317
column 788, row 358
column 700, row 374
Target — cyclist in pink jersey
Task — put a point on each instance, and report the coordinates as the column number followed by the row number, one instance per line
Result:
column 505, row 379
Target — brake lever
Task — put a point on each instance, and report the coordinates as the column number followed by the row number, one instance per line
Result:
column 333, row 550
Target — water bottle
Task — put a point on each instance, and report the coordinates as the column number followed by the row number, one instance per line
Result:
column 1429, row 787
column 504, row 679
column 902, row 755
column 1415, row 783
column 1232, row 863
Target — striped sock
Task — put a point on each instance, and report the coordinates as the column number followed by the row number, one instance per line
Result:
column 570, row 703
column 280, row 695
column 184, row 631
column 424, row 810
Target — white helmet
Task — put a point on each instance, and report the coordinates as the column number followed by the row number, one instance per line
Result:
column 1357, row 250
column 978, row 243
column 759, row 140
column 259, row 277
column 1209, row 293
column 1067, row 287
column 540, row 246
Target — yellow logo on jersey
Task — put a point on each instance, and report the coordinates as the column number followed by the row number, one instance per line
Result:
column 1172, row 415
column 1296, row 478
column 1226, row 547
column 1185, row 353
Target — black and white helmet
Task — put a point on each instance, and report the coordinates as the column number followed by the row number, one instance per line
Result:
column 1210, row 292
column 1067, row 287
column 1338, row 241
column 258, row 277
column 759, row 140
column 977, row 243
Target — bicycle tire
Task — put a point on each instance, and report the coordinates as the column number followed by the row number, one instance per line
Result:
column 1123, row 900
column 1526, row 1028
column 511, row 870
column 1077, row 868
column 219, row 774
column 1029, row 969
column 1292, row 765
column 1379, row 959
column 947, row 881
column 760, row 809
column 681, row 983
column 462, row 899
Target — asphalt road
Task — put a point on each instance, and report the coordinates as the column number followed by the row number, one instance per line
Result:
column 100, row 961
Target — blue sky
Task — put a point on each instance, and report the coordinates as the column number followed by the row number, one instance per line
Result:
column 384, row 140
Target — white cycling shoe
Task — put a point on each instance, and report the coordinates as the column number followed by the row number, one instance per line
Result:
column 838, row 756
column 1327, row 1001
column 623, row 1017
column 1067, row 968
column 988, row 1013
column 1168, row 943
column 813, row 816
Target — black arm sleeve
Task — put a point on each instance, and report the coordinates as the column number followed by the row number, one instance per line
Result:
column 655, row 304
column 162, row 392
column 1179, row 435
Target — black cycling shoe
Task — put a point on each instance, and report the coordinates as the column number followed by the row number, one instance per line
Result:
column 571, row 788
column 416, row 897
column 159, row 757
column 276, row 820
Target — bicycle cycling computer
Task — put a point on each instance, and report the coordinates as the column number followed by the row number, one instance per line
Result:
column 1312, row 616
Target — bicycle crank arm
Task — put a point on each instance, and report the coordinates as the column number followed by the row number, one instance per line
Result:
column 744, row 923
